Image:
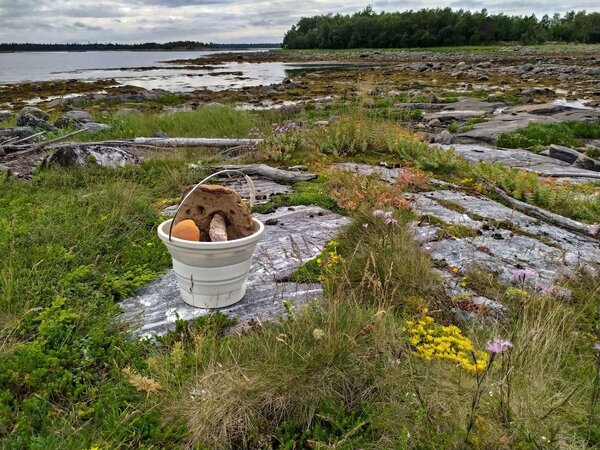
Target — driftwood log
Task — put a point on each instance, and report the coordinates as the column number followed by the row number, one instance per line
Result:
column 272, row 173
column 539, row 213
column 20, row 149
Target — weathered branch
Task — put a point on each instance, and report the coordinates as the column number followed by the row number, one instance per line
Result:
column 195, row 142
column 272, row 173
column 32, row 148
column 568, row 175
column 539, row 213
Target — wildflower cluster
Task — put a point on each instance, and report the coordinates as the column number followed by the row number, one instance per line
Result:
column 432, row 340
column 388, row 216
column 281, row 145
column 329, row 258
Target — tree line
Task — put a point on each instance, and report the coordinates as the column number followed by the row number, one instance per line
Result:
column 176, row 45
column 438, row 27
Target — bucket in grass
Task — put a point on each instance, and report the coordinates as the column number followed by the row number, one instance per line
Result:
column 212, row 274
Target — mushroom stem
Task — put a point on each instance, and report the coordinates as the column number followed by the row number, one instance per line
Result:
column 217, row 230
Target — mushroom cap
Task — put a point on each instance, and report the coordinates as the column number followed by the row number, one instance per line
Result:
column 209, row 199
column 187, row 230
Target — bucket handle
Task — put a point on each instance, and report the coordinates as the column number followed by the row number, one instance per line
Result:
column 251, row 192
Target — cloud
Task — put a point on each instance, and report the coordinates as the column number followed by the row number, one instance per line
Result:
column 211, row 20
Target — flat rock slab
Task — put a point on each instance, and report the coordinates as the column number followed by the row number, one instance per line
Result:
column 519, row 159
column 550, row 252
column 513, row 120
column 295, row 236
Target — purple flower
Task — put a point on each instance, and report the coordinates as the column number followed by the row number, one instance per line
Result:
column 378, row 213
column 498, row 345
column 593, row 230
column 521, row 274
column 389, row 218
column 596, row 347
column 543, row 288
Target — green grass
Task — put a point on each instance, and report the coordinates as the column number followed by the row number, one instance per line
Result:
column 218, row 122
column 570, row 134
column 73, row 244
column 341, row 373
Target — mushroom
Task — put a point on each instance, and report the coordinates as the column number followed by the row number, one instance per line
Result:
column 187, row 230
column 219, row 210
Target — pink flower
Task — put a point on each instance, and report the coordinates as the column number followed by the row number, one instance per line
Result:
column 365, row 225
column 521, row 274
column 378, row 213
column 498, row 345
column 596, row 347
column 593, row 230
column 389, row 218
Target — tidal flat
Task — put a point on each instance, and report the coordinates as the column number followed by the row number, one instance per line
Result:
column 429, row 276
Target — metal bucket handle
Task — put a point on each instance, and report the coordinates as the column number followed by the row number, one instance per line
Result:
column 251, row 192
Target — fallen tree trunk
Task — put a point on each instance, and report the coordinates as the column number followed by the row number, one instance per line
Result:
column 272, row 173
column 135, row 142
column 542, row 214
column 569, row 175
column 195, row 142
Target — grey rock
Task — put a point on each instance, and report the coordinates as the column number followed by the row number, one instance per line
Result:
column 28, row 120
column 160, row 134
column 472, row 104
column 33, row 111
column 453, row 116
column 563, row 153
column 434, row 123
column 92, row 154
column 587, row 163
column 515, row 118
column 267, row 90
column 5, row 115
column 527, row 67
column 445, row 137
column 15, row 133
column 93, row 126
column 79, row 115
column 298, row 234
column 592, row 71
column 551, row 252
column 518, row 158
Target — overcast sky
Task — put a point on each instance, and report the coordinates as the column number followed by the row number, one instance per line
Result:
column 210, row 20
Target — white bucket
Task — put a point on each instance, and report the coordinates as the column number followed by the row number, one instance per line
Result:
column 211, row 274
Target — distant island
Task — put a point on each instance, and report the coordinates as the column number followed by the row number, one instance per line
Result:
column 176, row 45
column 438, row 28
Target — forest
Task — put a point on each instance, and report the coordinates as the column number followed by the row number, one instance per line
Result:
column 74, row 47
column 438, row 28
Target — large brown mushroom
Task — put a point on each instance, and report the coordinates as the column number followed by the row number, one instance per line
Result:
column 218, row 211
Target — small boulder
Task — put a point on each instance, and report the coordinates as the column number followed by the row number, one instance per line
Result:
column 563, row 153
column 267, row 90
column 93, row 126
column 93, row 154
column 33, row 111
column 15, row 133
column 587, row 163
column 527, row 67
column 444, row 138
column 434, row 123
column 28, row 120
column 5, row 115
column 79, row 115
